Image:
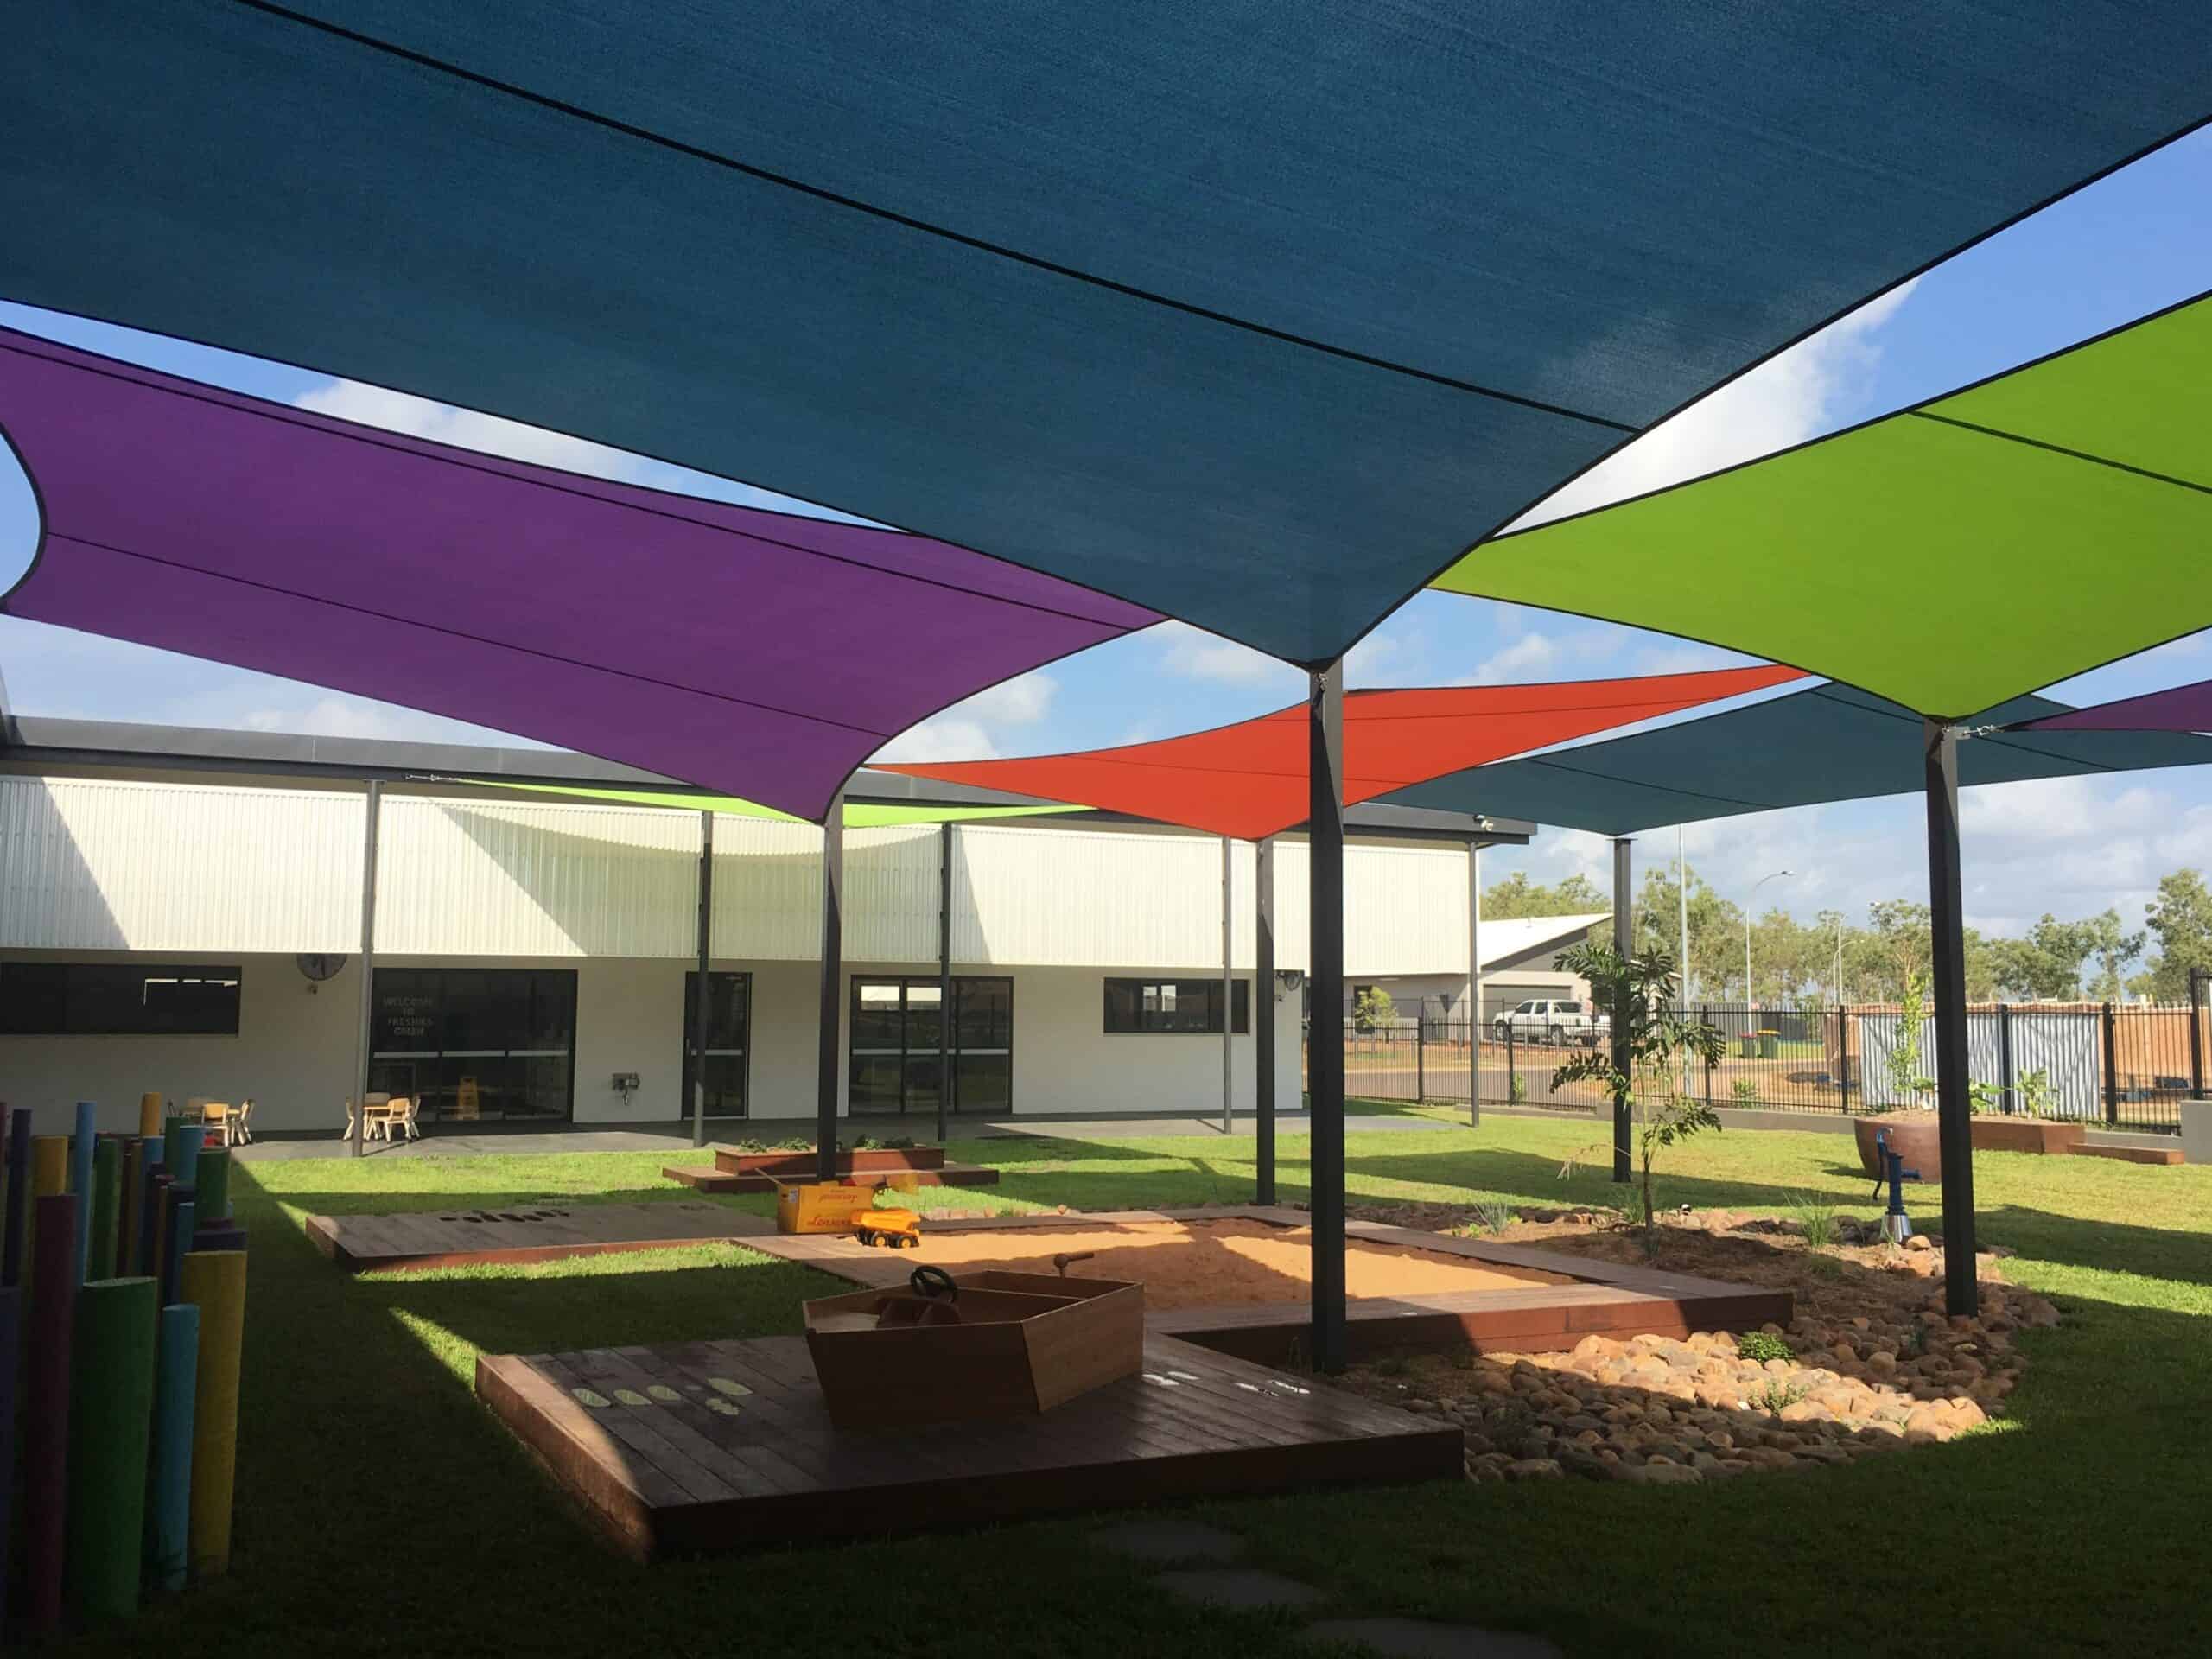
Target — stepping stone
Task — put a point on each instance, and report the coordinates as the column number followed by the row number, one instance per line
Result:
column 1416, row 1638
column 1171, row 1541
column 1243, row 1587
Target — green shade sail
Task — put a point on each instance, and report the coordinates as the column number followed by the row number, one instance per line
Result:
column 1950, row 556
column 858, row 815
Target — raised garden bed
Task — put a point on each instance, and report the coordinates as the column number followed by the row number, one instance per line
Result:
column 737, row 1171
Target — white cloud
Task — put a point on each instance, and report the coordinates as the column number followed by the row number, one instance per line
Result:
column 942, row 738
column 398, row 411
column 1193, row 654
column 1022, row 701
column 1530, row 656
column 1785, row 401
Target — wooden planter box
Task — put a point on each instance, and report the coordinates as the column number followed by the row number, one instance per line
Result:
column 1024, row 1342
column 2028, row 1134
column 800, row 1166
column 1912, row 1135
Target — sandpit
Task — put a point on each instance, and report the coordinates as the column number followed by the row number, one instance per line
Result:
column 1216, row 1263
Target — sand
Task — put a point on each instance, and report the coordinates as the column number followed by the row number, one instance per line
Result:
column 1215, row 1263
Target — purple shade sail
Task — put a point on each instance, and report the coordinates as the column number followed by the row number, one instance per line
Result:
column 2179, row 708
column 738, row 649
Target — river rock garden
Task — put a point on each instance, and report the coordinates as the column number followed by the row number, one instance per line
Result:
column 1871, row 1363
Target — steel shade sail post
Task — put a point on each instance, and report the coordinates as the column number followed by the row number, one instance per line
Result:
column 1475, row 983
column 361, row 1034
column 1263, row 1019
column 1624, row 943
column 827, row 1057
column 944, row 976
column 1326, row 972
column 1682, row 903
column 1228, row 984
column 1955, row 1123
column 694, row 1056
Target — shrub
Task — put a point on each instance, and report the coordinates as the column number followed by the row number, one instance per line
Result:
column 1817, row 1221
column 1745, row 1091
column 1517, row 1091
column 1776, row 1394
column 1494, row 1216
column 1760, row 1346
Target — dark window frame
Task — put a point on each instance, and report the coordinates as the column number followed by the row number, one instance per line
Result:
column 960, row 1045
column 744, row 977
column 439, row 1041
column 61, row 1008
column 1126, row 1015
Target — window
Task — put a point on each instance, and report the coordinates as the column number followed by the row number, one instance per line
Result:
column 1173, row 1005
column 1566, row 1007
column 473, row 1042
column 118, row 998
column 895, row 1027
column 729, row 1011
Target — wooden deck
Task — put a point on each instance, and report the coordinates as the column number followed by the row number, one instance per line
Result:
column 712, row 1446
column 542, row 1231
column 1608, row 1299
column 701, row 1179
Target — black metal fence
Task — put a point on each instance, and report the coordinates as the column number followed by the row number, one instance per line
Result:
column 2121, row 1065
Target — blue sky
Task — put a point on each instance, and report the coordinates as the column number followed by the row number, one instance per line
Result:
column 2137, row 241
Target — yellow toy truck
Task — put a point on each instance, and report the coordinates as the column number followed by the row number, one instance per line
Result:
column 892, row 1229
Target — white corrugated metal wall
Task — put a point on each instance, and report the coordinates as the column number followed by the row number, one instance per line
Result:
column 102, row 865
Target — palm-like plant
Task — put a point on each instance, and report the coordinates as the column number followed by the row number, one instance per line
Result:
column 1640, row 992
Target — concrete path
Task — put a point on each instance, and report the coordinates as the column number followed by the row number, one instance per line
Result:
column 674, row 1140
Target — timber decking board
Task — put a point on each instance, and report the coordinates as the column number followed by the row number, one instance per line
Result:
column 1608, row 1299
column 543, row 1230
column 674, row 1478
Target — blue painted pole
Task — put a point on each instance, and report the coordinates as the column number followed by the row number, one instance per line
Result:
column 80, row 1181
column 19, row 1197
column 177, row 1241
column 181, row 1157
column 177, row 1377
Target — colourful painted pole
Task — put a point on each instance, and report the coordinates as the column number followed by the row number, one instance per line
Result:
column 212, row 1181
column 12, row 1326
column 176, row 1374
column 49, row 1178
column 180, row 1152
column 110, row 1419
column 176, row 1242
column 216, row 1281
column 152, row 1218
column 46, row 1409
column 150, row 1116
column 107, row 1181
column 81, row 1179
column 127, row 1203
column 222, row 1236
column 19, row 1198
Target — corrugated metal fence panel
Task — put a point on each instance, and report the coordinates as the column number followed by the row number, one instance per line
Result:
column 458, row 879
column 1405, row 909
column 94, row 865
column 1094, row 899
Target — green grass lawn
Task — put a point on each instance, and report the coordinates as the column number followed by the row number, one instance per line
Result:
column 381, row 1511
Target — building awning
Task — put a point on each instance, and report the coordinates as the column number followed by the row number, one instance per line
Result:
column 2179, row 708
column 1257, row 313
column 1249, row 779
column 1964, row 551
column 738, row 649
column 1825, row 744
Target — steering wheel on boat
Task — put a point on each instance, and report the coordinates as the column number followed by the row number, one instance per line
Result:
column 933, row 1284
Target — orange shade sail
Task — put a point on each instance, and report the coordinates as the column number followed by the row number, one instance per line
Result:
column 1249, row 780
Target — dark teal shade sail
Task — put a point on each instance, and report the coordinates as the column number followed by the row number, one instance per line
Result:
column 1256, row 312
column 1807, row 748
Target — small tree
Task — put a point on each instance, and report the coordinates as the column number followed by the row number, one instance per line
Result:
column 1373, row 1007
column 1640, row 992
column 1902, row 1063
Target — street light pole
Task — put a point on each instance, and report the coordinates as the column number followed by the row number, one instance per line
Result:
column 1756, row 885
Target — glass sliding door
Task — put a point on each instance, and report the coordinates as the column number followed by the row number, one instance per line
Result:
column 476, row 1044
column 729, row 1023
column 896, row 1025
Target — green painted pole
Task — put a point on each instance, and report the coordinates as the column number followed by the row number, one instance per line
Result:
column 213, row 1187
column 181, row 1141
column 110, row 1417
column 176, row 1379
column 107, row 1173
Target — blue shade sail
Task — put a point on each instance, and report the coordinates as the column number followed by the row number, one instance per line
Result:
column 1807, row 748
column 1256, row 312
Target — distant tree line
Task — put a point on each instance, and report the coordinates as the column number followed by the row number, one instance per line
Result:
column 1830, row 957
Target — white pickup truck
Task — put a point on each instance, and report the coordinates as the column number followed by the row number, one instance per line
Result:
column 1555, row 1021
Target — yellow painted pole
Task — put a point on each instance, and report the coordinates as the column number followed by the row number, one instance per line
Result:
column 215, row 1280
column 150, row 1116
column 49, row 1179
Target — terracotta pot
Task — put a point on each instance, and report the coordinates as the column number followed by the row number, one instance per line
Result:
column 2027, row 1134
column 1912, row 1136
